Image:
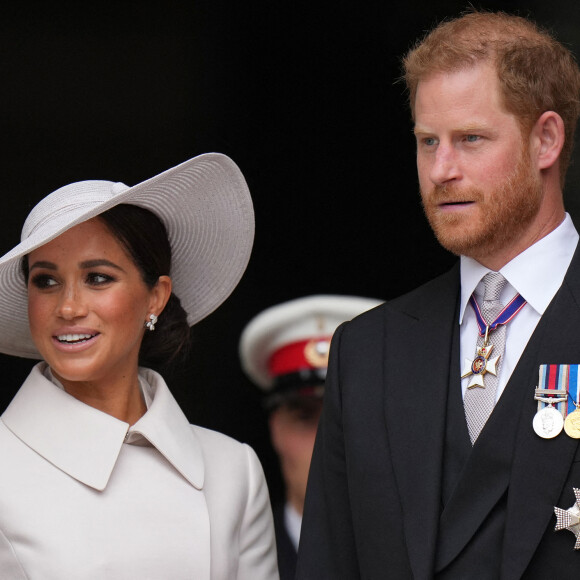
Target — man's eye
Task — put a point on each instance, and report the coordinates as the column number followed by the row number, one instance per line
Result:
column 429, row 141
column 472, row 138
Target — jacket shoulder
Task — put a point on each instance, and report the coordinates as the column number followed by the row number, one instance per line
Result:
column 214, row 442
column 416, row 301
column 223, row 454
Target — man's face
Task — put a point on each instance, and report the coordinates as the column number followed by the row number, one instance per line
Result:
column 293, row 430
column 480, row 190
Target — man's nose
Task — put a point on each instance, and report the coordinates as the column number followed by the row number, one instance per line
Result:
column 445, row 167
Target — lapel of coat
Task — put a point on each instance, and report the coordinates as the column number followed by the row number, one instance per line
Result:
column 418, row 339
column 540, row 466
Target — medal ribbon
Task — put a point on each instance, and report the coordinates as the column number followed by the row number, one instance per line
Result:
column 512, row 308
column 560, row 378
column 573, row 391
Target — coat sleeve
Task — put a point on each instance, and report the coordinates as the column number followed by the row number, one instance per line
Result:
column 9, row 565
column 257, row 560
column 327, row 546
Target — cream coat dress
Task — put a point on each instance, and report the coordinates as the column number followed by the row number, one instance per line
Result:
column 85, row 497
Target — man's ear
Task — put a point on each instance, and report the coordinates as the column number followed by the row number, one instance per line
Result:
column 547, row 139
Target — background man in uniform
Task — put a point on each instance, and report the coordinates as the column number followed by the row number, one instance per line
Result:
column 428, row 462
column 284, row 350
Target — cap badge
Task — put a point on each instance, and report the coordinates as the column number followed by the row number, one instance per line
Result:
column 316, row 352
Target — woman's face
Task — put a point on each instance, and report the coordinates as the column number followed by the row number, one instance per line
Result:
column 87, row 305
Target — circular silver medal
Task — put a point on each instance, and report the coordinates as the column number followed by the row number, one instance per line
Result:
column 548, row 422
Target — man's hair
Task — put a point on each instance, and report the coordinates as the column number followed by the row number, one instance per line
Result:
column 536, row 72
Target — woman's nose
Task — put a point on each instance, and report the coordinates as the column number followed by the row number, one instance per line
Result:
column 71, row 304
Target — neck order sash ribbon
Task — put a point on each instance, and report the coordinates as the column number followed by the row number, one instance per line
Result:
column 511, row 309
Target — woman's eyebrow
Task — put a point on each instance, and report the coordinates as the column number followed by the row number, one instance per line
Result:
column 43, row 264
column 87, row 264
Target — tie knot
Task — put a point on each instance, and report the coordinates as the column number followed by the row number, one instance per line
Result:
column 494, row 283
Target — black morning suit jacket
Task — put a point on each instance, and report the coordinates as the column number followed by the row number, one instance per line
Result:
column 395, row 489
column 285, row 549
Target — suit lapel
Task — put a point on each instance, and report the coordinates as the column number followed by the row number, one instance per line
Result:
column 418, row 340
column 540, row 466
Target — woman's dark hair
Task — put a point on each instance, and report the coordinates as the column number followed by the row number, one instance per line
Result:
column 145, row 239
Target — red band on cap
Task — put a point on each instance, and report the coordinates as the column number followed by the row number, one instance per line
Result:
column 299, row 355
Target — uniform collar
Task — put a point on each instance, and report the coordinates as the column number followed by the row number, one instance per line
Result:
column 85, row 442
column 536, row 273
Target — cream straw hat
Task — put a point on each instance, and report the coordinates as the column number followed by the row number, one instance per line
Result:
column 206, row 207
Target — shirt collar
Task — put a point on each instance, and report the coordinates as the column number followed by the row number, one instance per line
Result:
column 85, row 442
column 550, row 258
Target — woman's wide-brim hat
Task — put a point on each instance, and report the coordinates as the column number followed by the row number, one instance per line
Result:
column 205, row 206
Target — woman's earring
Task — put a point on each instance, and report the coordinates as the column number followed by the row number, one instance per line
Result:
column 150, row 324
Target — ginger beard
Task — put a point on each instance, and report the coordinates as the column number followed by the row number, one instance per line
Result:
column 503, row 214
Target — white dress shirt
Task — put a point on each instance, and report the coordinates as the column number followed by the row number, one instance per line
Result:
column 536, row 274
column 293, row 523
column 85, row 496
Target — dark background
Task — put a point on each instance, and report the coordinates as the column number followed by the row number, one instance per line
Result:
column 302, row 95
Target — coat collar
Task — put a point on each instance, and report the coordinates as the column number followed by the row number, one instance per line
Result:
column 85, row 442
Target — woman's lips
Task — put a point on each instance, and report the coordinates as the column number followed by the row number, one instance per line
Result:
column 74, row 341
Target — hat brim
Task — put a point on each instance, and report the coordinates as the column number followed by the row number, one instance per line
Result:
column 207, row 210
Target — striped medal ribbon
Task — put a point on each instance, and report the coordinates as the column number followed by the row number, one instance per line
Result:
column 572, row 421
column 557, row 396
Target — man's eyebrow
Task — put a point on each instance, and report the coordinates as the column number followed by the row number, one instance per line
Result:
column 473, row 127
column 468, row 128
column 420, row 129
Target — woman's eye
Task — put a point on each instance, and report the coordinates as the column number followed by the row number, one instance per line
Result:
column 96, row 279
column 43, row 281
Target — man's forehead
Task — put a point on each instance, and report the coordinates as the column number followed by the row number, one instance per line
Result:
column 468, row 95
column 484, row 68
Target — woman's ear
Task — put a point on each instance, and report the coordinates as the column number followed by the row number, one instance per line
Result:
column 547, row 139
column 160, row 294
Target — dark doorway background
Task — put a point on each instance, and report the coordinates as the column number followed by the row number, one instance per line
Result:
column 302, row 95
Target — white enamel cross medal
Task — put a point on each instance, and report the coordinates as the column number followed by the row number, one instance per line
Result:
column 480, row 365
column 570, row 519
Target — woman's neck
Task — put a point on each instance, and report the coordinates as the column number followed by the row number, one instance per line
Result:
column 121, row 398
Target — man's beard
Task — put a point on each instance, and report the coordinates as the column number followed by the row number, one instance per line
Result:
column 504, row 214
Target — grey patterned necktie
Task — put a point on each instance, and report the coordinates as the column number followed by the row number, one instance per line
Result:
column 479, row 402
